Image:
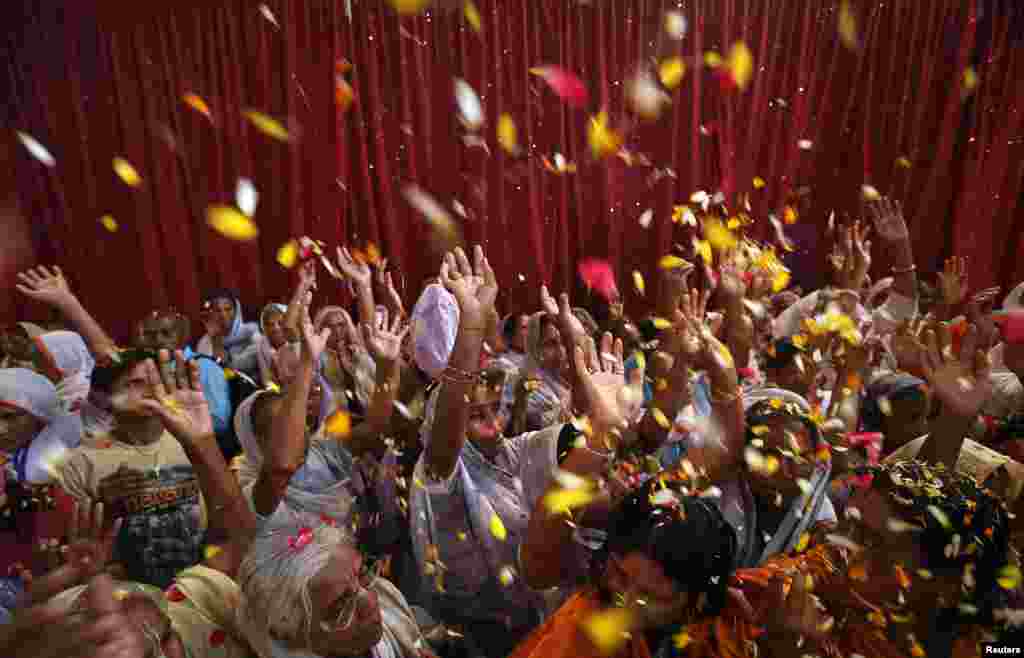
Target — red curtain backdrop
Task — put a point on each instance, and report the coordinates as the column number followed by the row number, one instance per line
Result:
column 94, row 88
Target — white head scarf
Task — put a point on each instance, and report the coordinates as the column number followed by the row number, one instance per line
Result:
column 36, row 395
column 69, row 356
column 1013, row 300
column 435, row 325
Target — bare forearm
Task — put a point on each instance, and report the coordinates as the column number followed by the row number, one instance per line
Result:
column 904, row 275
column 452, row 415
column 98, row 339
column 384, row 396
column 230, row 518
column 287, row 449
column 367, row 308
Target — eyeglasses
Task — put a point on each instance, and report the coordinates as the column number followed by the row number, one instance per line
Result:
column 348, row 604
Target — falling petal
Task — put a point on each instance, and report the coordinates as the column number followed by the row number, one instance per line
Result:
column 126, row 172
column 507, row 134
column 789, row 215
column 231, row 223
column 646, row 217
column 780, row 282
column 603, row 140
column 671, row 262
column 339, row 425
column 288, row 254
column 506, row 577
column 970, row 81
column 903, row 162
column 498, row 528
column 802, row 543
column 430, row 208
column 712, row 59
column 471, row 112
column 599, row 277
column 899, row 526
column 758, row 183
column 869, row 193
column 197, row 104
column 566, row 85
column 246, row 197
column 211, row 552
column 720, row 237
column 741, row 64
column 269, row 15
column 675, row 25
column 1009, row 577
column 109, row 223
column 409, row 7
column 671, row 72
column 645, row 97
column 638, row 282
column 848, row 26
column 610, row 629
column 844, row 542
column 681, row 640
column 703, row 249
column 805, row 144
column 561, row 501
column 267, row 125
column 344, row 95
column 472, row 15
column 37, row 150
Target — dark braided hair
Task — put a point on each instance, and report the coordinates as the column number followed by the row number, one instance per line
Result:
column 687, row 536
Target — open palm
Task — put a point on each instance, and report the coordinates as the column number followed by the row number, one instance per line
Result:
column 385, row 344
column 177, row 398
column 357, row 272
column 961, row 382
column 43, row 285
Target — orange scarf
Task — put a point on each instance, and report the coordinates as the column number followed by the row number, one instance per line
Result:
column 562, row 637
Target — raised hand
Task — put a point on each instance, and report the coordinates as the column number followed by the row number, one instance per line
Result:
column 90, row 540
column 731, row 284
column 887, row 216
column 44, row 285
column 176, row 397
column 43, row 628
column 474, row 287
column 953, row 281
column 601, row 386
column 313, row 343
column 358, row 273
column 385, row 344
column 961, row 382
column 547, row 302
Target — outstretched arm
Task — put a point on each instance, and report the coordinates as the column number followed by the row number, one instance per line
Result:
column 51, row 288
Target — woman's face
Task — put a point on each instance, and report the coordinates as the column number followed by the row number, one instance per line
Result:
column 789, row 442
column 552, row 351
column 336, row 323
column 651, row 594
column 347, row 619
column 16, row 344
column 224, row 311
column 162, row 332
column 487, row 423
column 17, row 428
column 908, row 420
column 273, row 326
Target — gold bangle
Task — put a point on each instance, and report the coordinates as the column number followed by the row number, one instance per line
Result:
column 479, row 329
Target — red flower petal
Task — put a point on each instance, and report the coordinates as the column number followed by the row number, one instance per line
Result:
column 217, row 638
column 568, row 87
column 174, row 595
column 598, row 276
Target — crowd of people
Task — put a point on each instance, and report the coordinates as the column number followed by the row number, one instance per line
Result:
column 744, row 470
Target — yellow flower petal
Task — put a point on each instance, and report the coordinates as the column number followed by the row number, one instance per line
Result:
column 472, row 15
column 869, row 193
column 780, row 281
column 339, row 425
column 109, row 223
column 789, row 215
column 602, row 139
column 733, row 223
column 507, row 134
column 638, row 282
column 1009, row 577
column 231, row 223
column 211, row 552
column 903, row 162
column 760, row 430
column 267, row 125
column 409, row 7
column 126, row 172
column 848, row 26
column 804, row 540
column 561, row 501
column 712, row 59
column 720, row 237
column 758, row 182
column 661, row 418
column 498, row 528
column 741, row 64
column 609, row 630
column 682, row 639
column 288, row 254
column 671, row 72
column 970, row 81
column 671, row 262
column 197, row 104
